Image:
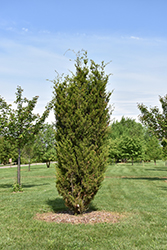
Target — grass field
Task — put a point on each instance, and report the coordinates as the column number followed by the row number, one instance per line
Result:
column 139, row 192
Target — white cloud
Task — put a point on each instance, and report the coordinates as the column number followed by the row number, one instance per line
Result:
column 44, row 32
column 25, row 29
column 135, row 37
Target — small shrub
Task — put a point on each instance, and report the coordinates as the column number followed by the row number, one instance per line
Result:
column 17, row 188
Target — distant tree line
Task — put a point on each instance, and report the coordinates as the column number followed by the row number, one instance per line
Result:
column 128, row 140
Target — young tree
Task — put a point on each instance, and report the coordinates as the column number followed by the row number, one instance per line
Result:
column 114, row 150
column 131, row 148
column 154, row 119
column 82, row 117
column 153, row 149
column 45, row 144
column 28, row 153
column 20, row 125
column 124, row 135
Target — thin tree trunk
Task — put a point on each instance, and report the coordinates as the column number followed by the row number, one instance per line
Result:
column 18, row 168
column 29, row 165
column 48, row 164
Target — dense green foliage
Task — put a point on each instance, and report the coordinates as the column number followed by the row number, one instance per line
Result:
column 153, row 149
column 20, row 125
column 82, row 117
column 7, row 151
column 126, row 140
column 129, row 140
column 130, row 148
column 138, row 192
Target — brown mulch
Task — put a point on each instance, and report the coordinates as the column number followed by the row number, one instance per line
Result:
column 87, row 218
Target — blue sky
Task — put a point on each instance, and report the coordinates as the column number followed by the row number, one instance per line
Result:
column 34, row 36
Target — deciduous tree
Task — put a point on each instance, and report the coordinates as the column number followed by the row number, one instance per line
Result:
column 156, row 121
column 7, row 151
column 153, row 149
column 124, row 135
column 131, row 148
column 20, row 125
column 45, row 144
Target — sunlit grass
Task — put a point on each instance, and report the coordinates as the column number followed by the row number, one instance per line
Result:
column 139, row 192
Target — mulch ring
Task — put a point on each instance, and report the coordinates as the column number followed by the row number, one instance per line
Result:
column 87, row 218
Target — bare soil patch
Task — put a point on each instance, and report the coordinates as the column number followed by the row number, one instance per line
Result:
column 87, row 218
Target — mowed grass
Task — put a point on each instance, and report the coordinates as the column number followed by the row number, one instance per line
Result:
column 139, row 192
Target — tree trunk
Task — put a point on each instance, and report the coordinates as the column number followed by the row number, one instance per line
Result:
column 132, row 161
column 18, row 168
column 29, row 163
column 48, row 164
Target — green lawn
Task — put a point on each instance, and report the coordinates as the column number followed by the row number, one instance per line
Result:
column 139, row 192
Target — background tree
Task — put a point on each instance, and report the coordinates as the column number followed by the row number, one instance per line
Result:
column 131, row 148
column 7, row 151
column 114, row 150
column 20, row 125
column 82, row 117
column 153, row 149
column 126, row 126
column 123, row 136
column 154, row 120
column 45, row 144
column 28, row 153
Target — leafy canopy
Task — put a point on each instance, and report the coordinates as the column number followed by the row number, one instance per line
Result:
column 20, row 125
column 156, row 121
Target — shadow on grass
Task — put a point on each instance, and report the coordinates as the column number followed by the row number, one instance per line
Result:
column 23, row 185
column 146, row 178
column 163, row 188
column 58, row 205
column 34, row 185
column 157, row 169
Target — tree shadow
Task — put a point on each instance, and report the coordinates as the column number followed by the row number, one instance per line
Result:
column 163, row 188
column 58, row 205
column 146, row 178
column 6, row 185
column 23, row 185
column 157, row 169
column 34, row 185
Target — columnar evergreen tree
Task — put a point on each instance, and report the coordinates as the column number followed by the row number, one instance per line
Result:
column 20, row 125
column 82, row 117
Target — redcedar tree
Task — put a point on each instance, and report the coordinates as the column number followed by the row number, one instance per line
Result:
column 82, row 117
